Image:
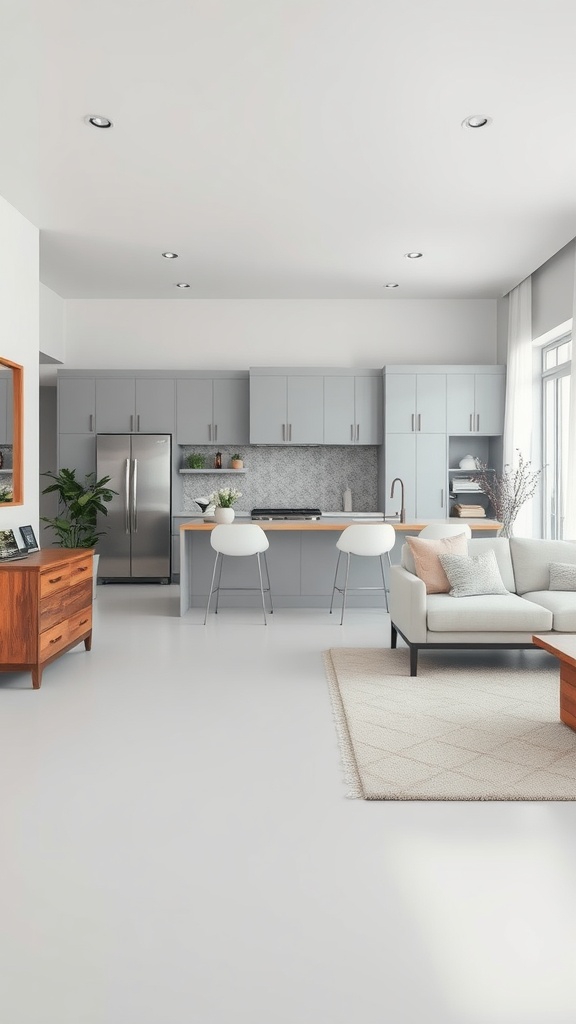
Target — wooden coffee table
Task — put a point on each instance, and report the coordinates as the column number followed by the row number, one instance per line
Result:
column 563, row 648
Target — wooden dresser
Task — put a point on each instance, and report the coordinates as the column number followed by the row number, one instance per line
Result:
column 45, row 608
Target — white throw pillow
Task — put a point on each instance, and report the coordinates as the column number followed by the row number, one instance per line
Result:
column 562, row 576
column 473, row 575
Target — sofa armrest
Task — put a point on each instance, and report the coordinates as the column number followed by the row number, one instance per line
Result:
column 408, row 604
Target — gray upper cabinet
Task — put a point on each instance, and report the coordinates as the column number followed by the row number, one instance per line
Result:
column 76, row 405
column 415, row 403
column 155, row 410
column 353, row 409
column 475, row 402
column 134, row 405
column 286, row 409
column 420, row 462
column 115, row 405
column 212, row 410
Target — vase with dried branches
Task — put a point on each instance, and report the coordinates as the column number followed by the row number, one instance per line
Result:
column 508, row 492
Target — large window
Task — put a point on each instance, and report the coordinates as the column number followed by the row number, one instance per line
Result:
column 555, row 405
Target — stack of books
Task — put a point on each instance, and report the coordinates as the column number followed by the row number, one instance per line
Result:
column 469, row 511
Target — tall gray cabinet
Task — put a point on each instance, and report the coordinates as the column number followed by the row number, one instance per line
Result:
column 433, row 416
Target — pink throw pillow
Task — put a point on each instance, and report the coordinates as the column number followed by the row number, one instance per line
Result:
column 427, row 562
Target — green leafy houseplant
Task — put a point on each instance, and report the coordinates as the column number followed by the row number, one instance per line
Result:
column 225, row 497
column 78, row 505
column 195, row 460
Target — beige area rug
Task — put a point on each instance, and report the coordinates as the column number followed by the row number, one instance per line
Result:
column 462, row 733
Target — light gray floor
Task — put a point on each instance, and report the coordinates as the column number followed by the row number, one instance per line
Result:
column 178, row 847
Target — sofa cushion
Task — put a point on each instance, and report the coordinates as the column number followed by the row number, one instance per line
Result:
column 562, row 604
column 427, row 562
column 489, row 613
column 471, row 575
column 500, row 546
column 562, row 576
column 531, row 559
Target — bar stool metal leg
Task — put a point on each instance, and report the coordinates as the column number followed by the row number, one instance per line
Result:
column 345, row 588
column 269, row 584
column 211, row 588
column 261, row 587
column 335, row 579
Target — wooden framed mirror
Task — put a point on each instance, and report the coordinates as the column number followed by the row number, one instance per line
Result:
column 11, row 433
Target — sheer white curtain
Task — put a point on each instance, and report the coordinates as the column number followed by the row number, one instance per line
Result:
column 570, row 483
column 518, row 418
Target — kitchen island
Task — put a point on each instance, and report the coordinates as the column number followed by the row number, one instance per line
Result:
column 301, row 559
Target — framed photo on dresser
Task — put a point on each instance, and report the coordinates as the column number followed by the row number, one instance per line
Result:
column 30, row 542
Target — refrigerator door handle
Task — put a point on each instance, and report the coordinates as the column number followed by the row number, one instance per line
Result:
column 134, row 501
column 127, row 498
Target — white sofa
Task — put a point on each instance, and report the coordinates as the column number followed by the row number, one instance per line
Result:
column 495, row 620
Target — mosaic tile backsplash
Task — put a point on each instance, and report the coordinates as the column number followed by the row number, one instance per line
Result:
column 290, row 476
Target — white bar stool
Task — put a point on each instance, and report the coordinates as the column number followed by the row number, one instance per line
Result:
column 238, row 540
column 368, row 540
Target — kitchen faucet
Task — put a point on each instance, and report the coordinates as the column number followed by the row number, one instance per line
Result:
column 397, row 480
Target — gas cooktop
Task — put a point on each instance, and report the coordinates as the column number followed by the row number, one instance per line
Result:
column 286, row 513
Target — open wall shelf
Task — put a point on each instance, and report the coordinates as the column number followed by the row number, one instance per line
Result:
column 215, row 472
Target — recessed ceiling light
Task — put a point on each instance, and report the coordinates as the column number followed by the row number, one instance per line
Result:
column 182, row 284
column 170, row 255
column 413, row 255
column 98, row 121
column 391, row 285
column 476, row 121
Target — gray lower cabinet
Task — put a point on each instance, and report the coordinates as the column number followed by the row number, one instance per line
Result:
column 352, row 410
column 420, row 460
column 76, row 405
column 475, row 402
column 415, row 402
column 212, row 410
column 5, row 418
column 301, row 566
column 286, row 409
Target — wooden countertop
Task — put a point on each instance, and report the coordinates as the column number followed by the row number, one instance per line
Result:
column 319, row 525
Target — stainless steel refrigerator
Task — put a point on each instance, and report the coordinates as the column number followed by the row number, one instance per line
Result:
column 136, row 543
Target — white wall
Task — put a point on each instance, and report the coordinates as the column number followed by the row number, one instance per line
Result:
column 19, row 256
column 553, row 291
column 52, row 320
column 236, row 334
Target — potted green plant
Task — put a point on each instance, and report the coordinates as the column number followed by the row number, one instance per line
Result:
column 195, row 461
column 236, row 461
column 223, row 500
column 78, row 506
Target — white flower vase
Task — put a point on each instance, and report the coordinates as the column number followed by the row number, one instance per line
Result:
column 224, row 515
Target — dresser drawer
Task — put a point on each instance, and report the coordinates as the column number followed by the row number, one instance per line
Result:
column 55, row 579
column 79, row 624
column 53, row 640
column 81, row 570
column 63, row 604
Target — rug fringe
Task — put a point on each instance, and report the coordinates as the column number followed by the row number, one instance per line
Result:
column 349, row 767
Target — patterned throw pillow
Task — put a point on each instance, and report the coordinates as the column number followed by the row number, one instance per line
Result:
column 562, row 576
column 473, row 576
column 427, row 562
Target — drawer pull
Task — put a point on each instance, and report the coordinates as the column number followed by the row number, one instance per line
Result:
column 83, row 622
column 56, row 639
column 56, row 579
column 82, row 568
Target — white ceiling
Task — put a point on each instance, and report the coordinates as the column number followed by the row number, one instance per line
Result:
column 289, row 148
